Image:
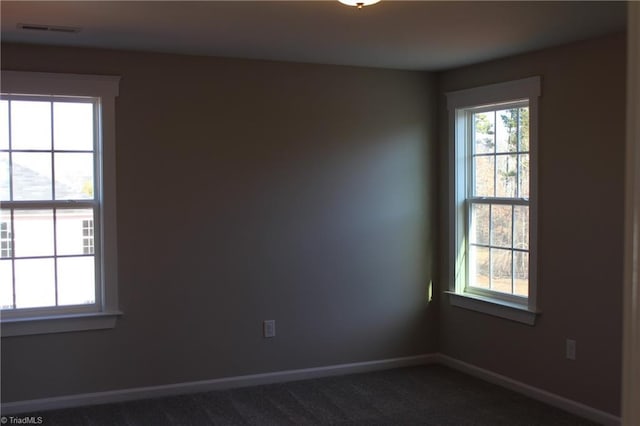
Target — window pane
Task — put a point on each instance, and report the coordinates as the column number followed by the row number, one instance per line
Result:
column 76, row 280
column 521, row 227
column 73, row 126
column 480, row 224
column 484, row 132
column 30, row 125
column 31, row 176
column 4, row 177
column 6, row 284
column 70, row 230
column 483, row 174
column 524, row 129
column 4, row 124
column 501, row 270
column 506, row 176
column 501, row 226
column 507, row 130
column 523, row 184
column 33, row 232
column 74, row 176
column 521, row 273
column 35, row 283
column 479, row 267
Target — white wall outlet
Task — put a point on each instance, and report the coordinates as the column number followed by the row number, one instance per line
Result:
column 269, row 328
column 571, row 349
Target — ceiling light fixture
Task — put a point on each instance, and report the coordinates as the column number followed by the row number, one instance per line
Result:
column 359, row 3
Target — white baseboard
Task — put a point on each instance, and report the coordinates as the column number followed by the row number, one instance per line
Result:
column 532, row 392
column 69, row 401
column 36, row 405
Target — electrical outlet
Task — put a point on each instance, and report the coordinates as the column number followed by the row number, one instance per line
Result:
column 571, row 349
column 269, row 328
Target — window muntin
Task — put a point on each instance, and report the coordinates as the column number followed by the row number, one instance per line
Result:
column 49, row 165
column 497, row 204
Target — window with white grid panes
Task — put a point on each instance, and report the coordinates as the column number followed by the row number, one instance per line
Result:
column 57, row 198
column 48, row 161
column 493, row 196
column 498, row 200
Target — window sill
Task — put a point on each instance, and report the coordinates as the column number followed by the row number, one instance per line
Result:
column 497, row 308
column 58, row 324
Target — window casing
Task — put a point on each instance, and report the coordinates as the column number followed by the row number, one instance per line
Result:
column 57, row 197
column 493, row 199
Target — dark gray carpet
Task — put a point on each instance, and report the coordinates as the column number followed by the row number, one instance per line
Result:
column 426, row 395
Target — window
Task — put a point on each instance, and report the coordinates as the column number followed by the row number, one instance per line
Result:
column 57, row 203
column 493, row 198
column 87, row 236
column 6, row 241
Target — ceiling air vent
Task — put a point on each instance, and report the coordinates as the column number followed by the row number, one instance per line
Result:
column 52, row 28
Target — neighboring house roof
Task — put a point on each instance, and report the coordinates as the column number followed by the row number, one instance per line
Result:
column 31, row 184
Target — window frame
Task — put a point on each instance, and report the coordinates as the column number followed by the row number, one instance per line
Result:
column 105, row 312
column 461, row 105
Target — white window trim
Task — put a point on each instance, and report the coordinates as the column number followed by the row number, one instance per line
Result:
column 106, row 88
column 524, row 89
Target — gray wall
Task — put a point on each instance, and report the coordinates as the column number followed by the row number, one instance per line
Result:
column 251, row 190
column 581, row 193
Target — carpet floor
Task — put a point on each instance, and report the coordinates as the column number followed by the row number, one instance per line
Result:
column 425, row 395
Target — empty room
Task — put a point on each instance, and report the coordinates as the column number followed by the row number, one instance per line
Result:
column 316, row 212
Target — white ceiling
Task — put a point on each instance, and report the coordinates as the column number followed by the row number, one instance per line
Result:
column 416, row 35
